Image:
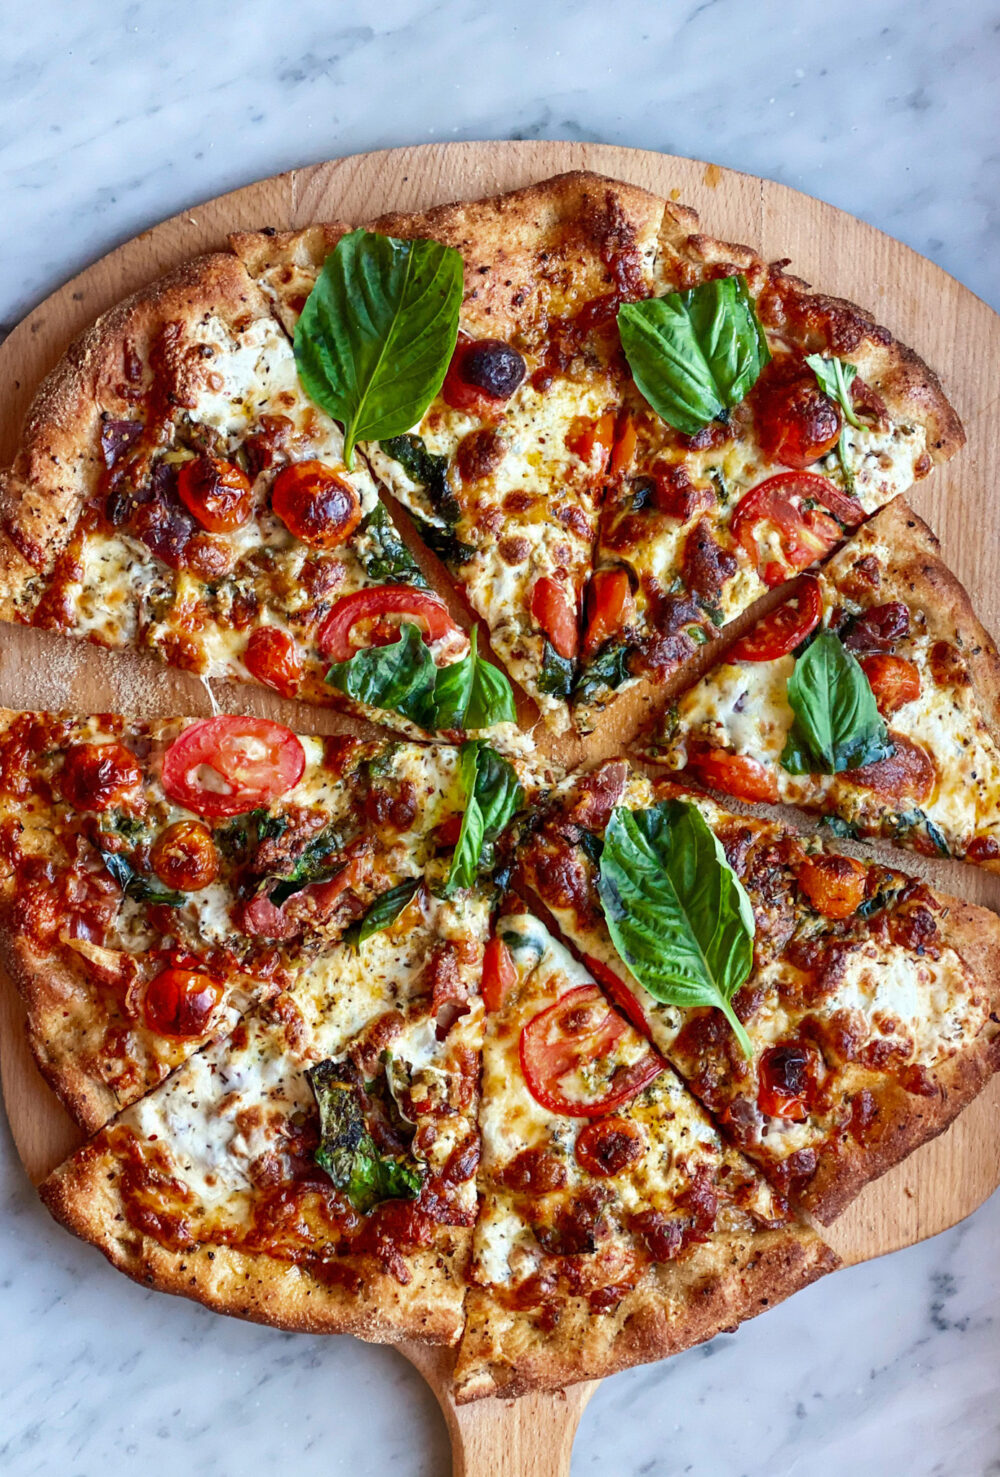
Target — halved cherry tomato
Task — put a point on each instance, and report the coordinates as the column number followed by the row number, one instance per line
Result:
column 410, row 605
column 834, row 884
column 610, row 1145
column 482, row 376
column 586, row 435
column 907, row 774
column 787, row 1074
column 735, row 774
column 316, row 504
column 96, row 776
column 184, row 856
column 561, row 1041
column 803, row 536
column 625, row 444
column 271, row 657
column 499, row 973
column 796, row 422
column 894, row 680
column 215, row 492
column 551, row 608
column 228, row 765
column 609, row 606
column 620, row 994
column 781, row 631
column 180, row 1002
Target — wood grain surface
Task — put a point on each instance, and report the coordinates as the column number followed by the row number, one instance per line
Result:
column 951, row 328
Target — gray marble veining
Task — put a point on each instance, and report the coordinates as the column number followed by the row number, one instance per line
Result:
column 115, row 114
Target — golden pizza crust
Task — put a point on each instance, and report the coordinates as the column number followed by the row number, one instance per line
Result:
column 84, row 1195
column 713, row 1287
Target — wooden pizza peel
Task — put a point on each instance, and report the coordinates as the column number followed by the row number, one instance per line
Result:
column 950, row 327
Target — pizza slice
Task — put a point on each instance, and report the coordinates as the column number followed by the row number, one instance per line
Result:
column 504, row 471
column 831, row 1014
column 314, row 1170
column 761, row 425
column 156, row 878
column 883, row 652
column 176, row 490
column 615, row 1225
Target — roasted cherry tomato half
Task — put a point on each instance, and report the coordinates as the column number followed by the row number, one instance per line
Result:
column 907, row 774
column 97, row 776
column 320, row 506
column 339, row 639
column 482, row 376
column 834, row 884
column 499, row 973
column 215, row 492
column 609, row 607
column 787, row 1078
column 271, row 657
column 180, row 1002
column 734, row 774
column 780, row 632
column 551, row 608
column 609, row 1146
column 894, row 680
column 796, row 422
column 587, row 436
column 184, row 856
column 228, row 765
column 620, row 993
column 802, row 535
column 625, row 443
column 561, row 1042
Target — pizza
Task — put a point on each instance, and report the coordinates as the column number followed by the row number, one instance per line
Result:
column 919, row 760
column 865, row 1017
column 445, row 1026
column 159, row 878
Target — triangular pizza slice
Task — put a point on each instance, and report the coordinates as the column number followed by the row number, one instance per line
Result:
column 615, row 1225
column 873, row 696
column 504, row 472
column 831, row 1014
column 315, row 1169
column 156, row 878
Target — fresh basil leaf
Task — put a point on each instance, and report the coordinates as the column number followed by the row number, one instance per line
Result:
column 608, row 670
column 835, row 377
column 388, row 561
column 491, row 697
column 677, row 913
column 400, row 676
column 695, row 354
column 377, row 333
column 453, row 688
column 837, row 722
column 383, row 912
column 558, row 672
column 347, row 1151
column 137, row 887
column 493, row 795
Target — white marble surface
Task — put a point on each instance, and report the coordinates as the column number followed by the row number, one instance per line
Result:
column 115, row 114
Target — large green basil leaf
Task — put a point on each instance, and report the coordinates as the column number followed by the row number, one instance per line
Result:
column 695, row 354
column 677, row 913
column 347, row 1151
column 138, row 887
column 400, row 676
column 493, row 795
column 378, row 331
column 837, row 722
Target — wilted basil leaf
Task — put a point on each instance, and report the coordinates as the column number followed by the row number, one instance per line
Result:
column 383, row 912
column 134, row 885
column 347, row 1151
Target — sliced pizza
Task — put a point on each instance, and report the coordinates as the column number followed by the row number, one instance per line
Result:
column 872, row 696
column 831, row 1014
column 176, row 490
column 615, row 1225
column 315, row 1169
column 156, row 878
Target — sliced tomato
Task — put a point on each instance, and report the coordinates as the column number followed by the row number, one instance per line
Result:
column 564, row 1039
column 318, row 505
column 215, row 492
column 609, row 607
column 781, row 631
column 734, row 774
column 228, row 765
column 271, row 657
column 894, row 680
column 586, row 435
column 551, row 608
column 402, row 601
column 803, row 535
column 620, row 994
column 499, row 973
column 180, row 1002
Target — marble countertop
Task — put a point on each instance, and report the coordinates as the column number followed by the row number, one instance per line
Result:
column 116, row 114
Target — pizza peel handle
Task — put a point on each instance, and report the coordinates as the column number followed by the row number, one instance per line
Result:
column 530, row 1437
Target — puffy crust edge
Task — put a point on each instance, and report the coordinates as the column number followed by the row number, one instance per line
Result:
column 677, row 1304
column 82, row 1194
